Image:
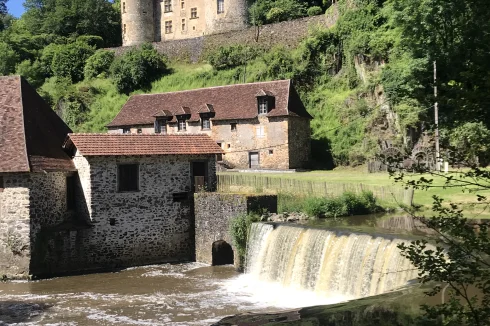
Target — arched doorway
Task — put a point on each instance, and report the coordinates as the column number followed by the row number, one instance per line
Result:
column 222, row 253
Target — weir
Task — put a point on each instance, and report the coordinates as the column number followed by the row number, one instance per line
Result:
column 328, row 262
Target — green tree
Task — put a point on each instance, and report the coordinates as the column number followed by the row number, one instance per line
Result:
column 98, row 63
column 137, row 68
column 8, row 59
column 456, row 261
column 69, row 60
column 32, row 72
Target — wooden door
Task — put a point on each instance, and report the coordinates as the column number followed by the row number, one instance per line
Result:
column 254, row 160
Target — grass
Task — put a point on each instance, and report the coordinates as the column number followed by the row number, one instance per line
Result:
column 423, row 198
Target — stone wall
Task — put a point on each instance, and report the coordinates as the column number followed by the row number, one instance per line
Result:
column 288, row 33
column 135, row 228
column 299, row 142
column 213, row 213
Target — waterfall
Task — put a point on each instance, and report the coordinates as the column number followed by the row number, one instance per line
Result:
column 330, row 263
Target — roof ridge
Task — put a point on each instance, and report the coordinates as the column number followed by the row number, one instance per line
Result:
column 212, row 87
column 22, row 108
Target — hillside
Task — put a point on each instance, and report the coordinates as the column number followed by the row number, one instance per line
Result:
column 367, row 80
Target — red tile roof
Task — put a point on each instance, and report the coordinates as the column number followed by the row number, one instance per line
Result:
column 142, row 144
column 231, row 102
column 31, row 134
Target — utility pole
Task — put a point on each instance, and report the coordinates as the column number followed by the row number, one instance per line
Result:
column 436, row 120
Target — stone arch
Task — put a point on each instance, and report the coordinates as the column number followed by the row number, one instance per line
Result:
column 222, row 253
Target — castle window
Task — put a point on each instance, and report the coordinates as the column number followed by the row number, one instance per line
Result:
column 221, row 6
column 124, row 7
column 2, row 187
column 167, row 6
column 183, row 24
column 205, row 123
column 263, row 105
column 181, row 126
column 182, row 4
column 260, row 131
column 233, row 126
column 128, row 177
column 168, row 27
column 124, row 28
column 193, row 12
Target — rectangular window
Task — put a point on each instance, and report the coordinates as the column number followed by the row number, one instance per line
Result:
column 168, row 27
column 205, row 123
column 70, row 193
column 167, row 6
column 233, row 126
column 140, row 131
column 193, row 12
column 263, row 105
column 124, row 7
column 182, row 126
column 124, row 28
column 183, row 24
column 128, row 177
column 126, row 130
column 182, row 5
column 260, row 131
column 161, row 127
column 221, row 6
column 2, row 186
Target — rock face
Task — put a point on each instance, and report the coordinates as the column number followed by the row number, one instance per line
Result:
column 284, row 217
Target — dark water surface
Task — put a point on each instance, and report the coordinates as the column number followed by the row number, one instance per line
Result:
column 181, row 294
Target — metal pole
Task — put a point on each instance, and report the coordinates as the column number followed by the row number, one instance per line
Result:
column 436, row 120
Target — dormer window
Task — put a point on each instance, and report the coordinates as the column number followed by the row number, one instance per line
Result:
column 181, row 125
column 126, row 130
column 161, row 126
column 263, row 105
column 205, row 123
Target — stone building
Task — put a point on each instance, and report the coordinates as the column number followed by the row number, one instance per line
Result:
column 35, row 174
column 155, row 21
column 258, row 125
column 83, row 202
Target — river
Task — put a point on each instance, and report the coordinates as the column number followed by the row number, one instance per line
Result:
column 169, row 294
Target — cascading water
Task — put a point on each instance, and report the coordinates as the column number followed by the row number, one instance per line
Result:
column 329, row 263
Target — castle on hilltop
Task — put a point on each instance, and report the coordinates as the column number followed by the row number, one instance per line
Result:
column 162, row 20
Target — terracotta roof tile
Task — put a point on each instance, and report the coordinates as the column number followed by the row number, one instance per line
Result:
column 231, row 102
column 142, row 144
column 31, row 134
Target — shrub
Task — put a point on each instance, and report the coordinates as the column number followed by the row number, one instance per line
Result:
column 314, row 11
column 239, row 229
column 32, row 72
column 227, row 57
column 8, row 59
column 69, row 60
column 137, row 68
column 315, row 206
column 334, row 207
column 98, row 63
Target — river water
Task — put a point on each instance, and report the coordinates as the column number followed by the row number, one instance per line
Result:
column 177, row 294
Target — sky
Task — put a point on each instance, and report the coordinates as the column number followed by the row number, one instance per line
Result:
column 15, row 7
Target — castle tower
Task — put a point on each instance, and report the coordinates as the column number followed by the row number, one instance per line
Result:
column 225, row 15
column 137, row 21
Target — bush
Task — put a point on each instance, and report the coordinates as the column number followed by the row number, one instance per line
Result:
column 69, row 60
column 227, row 57
column 99, row 63
column 8, row 59
column 32, row 72
column 345, row 205
column 137, row 68
column 314, row 11
column 239, row 229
